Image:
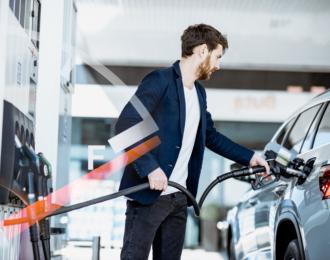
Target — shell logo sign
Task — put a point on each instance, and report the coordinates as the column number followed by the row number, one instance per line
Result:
column 253, row 103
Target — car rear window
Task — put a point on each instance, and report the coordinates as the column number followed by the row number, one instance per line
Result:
column 323, row 133
column 300, row 129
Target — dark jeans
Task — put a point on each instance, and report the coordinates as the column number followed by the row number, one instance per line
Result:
column 161, row 224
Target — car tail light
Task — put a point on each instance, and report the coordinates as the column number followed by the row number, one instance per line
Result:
column 325, row 181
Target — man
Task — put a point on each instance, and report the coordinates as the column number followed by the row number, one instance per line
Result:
column 177, row 102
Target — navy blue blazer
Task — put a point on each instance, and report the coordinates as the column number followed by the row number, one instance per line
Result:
column 161, row 92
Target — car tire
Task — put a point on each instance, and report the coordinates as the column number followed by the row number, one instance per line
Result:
column 232, row 255
column 293, row 251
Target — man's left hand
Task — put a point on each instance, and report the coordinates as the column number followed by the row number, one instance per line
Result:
column 258, row 160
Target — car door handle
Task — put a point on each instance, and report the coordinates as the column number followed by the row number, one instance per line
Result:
column 280, row 189
column 253, row 201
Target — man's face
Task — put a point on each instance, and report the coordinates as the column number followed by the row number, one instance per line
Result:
column 210, row 64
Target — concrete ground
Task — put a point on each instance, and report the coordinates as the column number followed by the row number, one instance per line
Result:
column 85, row 253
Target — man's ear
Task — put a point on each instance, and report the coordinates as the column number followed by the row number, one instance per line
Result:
column 203, row 51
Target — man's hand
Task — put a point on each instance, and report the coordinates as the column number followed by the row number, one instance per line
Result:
column 258, row 160
column 157, row 180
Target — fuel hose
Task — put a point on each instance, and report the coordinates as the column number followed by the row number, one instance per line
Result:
column 238, row 173
column 143, row 186
column 197, row 206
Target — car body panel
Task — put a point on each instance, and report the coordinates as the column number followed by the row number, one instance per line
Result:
column 317, row 225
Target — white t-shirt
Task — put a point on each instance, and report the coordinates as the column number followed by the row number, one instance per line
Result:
column 180, row 171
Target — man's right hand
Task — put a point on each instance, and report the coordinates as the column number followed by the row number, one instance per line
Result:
column 157, row 180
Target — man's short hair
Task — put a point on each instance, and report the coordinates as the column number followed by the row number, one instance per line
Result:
column 199, row 34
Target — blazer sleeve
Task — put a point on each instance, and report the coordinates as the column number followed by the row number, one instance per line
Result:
column 149, row 92
column 222, row 145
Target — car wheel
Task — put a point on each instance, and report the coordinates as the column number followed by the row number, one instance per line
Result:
column 293, row 252
column 232, row 250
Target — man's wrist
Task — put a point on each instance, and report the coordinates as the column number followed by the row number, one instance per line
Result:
column 253, row 158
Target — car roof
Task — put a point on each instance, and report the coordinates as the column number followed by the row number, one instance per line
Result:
column 327, row 92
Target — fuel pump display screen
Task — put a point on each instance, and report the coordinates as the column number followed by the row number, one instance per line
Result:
column 32, row 98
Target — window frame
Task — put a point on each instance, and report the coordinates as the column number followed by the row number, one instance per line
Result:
column 325, row 105
column 283, row 128
column 285, row 138
column 320, row 110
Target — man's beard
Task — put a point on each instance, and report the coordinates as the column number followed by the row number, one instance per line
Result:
column 204, row 69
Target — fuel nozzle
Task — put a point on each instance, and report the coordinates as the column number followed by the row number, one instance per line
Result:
column 294, row 168
column 296, row 163
column 281, row 163
column 32, row 157
column 292, row 172
column 18, row 144
column 20, row 159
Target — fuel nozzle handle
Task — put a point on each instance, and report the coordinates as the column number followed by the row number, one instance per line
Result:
column 20, row 158
column 32, row 156
column 31, row 193
column 18, row 143
column 40, row 188
column 249, row 171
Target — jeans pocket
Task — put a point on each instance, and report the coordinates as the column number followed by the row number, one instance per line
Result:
column 184, row 199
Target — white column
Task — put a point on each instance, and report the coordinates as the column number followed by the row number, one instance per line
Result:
column 48, row 89
column 4, row 8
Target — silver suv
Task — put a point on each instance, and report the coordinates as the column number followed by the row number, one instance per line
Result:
column 288, row 219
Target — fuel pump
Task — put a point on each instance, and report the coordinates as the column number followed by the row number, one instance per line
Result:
column 24, row 175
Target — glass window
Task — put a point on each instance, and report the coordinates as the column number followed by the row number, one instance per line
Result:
column 17, row 9
column 92, row 131
column 287, row 128
column 300, row 129
column 311, row 132
column 36, row 22
column 22, row 13
column 323, row 133
column 12, row 4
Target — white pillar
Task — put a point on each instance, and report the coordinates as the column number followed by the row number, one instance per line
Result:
column 4, row 7
column 48, row 89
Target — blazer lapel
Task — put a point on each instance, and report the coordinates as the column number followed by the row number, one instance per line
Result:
column 201, row 106
column 182, row 103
